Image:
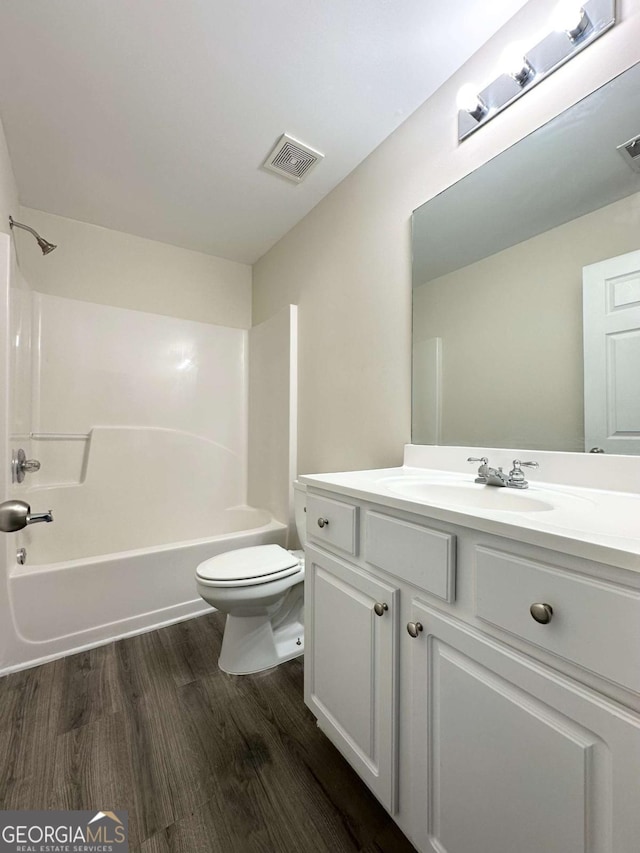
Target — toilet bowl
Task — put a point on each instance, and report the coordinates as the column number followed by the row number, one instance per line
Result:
column 261, row 591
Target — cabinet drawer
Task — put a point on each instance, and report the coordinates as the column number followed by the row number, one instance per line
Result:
column 594, row 623
column 333, row 523
column 417, row 554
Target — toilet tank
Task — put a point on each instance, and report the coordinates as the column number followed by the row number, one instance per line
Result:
column 300, row 509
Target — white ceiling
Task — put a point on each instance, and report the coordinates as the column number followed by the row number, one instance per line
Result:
column 153, row 116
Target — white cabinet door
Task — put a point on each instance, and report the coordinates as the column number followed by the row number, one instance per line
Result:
column 509, row 756
column 351, row 667
column 611, row 307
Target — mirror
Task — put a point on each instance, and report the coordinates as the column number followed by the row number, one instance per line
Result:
column 498, row 265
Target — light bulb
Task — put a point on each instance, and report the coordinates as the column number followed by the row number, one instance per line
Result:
column 570, row 17
column 470, row 102
column 514, row 63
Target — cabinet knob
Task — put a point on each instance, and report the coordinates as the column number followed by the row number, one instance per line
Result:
column 380, row 608
column 542, row 613
column 414, row 629
column 323, row 522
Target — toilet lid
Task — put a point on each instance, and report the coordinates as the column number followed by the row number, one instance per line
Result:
column 244, row 564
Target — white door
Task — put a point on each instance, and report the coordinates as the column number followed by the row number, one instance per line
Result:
column 611, row 308
column 350, row 667
column 509, row 756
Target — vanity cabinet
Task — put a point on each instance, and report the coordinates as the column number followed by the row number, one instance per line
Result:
column 480, row 729
column 351, row 625
column 508, row 755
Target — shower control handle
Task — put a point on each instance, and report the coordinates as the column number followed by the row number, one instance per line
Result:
column 20, row 466
column 15, row 515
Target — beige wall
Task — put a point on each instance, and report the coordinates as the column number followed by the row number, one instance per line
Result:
column 8, row 189
column 521, row 384
column 113, row 268
column 347, row 264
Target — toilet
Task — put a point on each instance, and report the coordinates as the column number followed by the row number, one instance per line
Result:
column 261, row 591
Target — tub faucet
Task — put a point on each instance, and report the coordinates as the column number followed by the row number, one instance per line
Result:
column 14, row 515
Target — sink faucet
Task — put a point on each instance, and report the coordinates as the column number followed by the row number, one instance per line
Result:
column 488, row 476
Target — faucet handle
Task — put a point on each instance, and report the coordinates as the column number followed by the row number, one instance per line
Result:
column 518, row 464
column 483, row 470
column 516, row 475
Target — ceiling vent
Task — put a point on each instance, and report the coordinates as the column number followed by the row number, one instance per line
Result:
column 292, row 159
column 630, row 152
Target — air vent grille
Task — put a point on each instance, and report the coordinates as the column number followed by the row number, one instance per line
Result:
column 292, row 159
column 630, row 152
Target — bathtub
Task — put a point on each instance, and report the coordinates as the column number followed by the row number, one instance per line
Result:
column 138, row 511
column 64, row 607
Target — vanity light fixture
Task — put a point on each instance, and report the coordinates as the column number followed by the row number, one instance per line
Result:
column 515, row 63
column 470, row 102
column 574, row 26
column 570, row 18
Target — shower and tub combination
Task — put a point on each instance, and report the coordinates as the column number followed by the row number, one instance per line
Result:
column 140, row 425
column 121, row 554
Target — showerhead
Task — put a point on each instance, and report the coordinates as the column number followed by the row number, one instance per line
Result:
column 45, row 245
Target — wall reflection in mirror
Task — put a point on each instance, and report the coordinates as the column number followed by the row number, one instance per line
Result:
column 526, row 299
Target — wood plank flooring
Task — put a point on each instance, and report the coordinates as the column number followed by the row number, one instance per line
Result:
column 202, row 761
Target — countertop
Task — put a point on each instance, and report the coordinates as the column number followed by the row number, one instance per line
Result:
column 593, row 524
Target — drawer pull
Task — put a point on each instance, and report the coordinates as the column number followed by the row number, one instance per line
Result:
column 414, row 629
column 542, row 613
column 323, row 522
column 380, row 609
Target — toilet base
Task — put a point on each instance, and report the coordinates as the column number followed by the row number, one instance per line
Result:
column 251, row 644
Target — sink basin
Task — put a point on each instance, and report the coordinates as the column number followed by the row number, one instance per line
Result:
column 468, row 495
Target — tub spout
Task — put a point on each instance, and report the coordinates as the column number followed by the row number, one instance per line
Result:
column 14, row 515
column 37, row 517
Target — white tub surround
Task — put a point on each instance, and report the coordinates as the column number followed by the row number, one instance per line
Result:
column 140, row 424
column 474, row 650
column 20, row 325
column 273, row 414
column 136, row 488
column 100, row 366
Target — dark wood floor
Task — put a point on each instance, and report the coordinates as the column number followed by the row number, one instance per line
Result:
column 202, row 761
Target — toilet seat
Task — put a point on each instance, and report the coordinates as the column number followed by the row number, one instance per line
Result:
column 248, row 567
